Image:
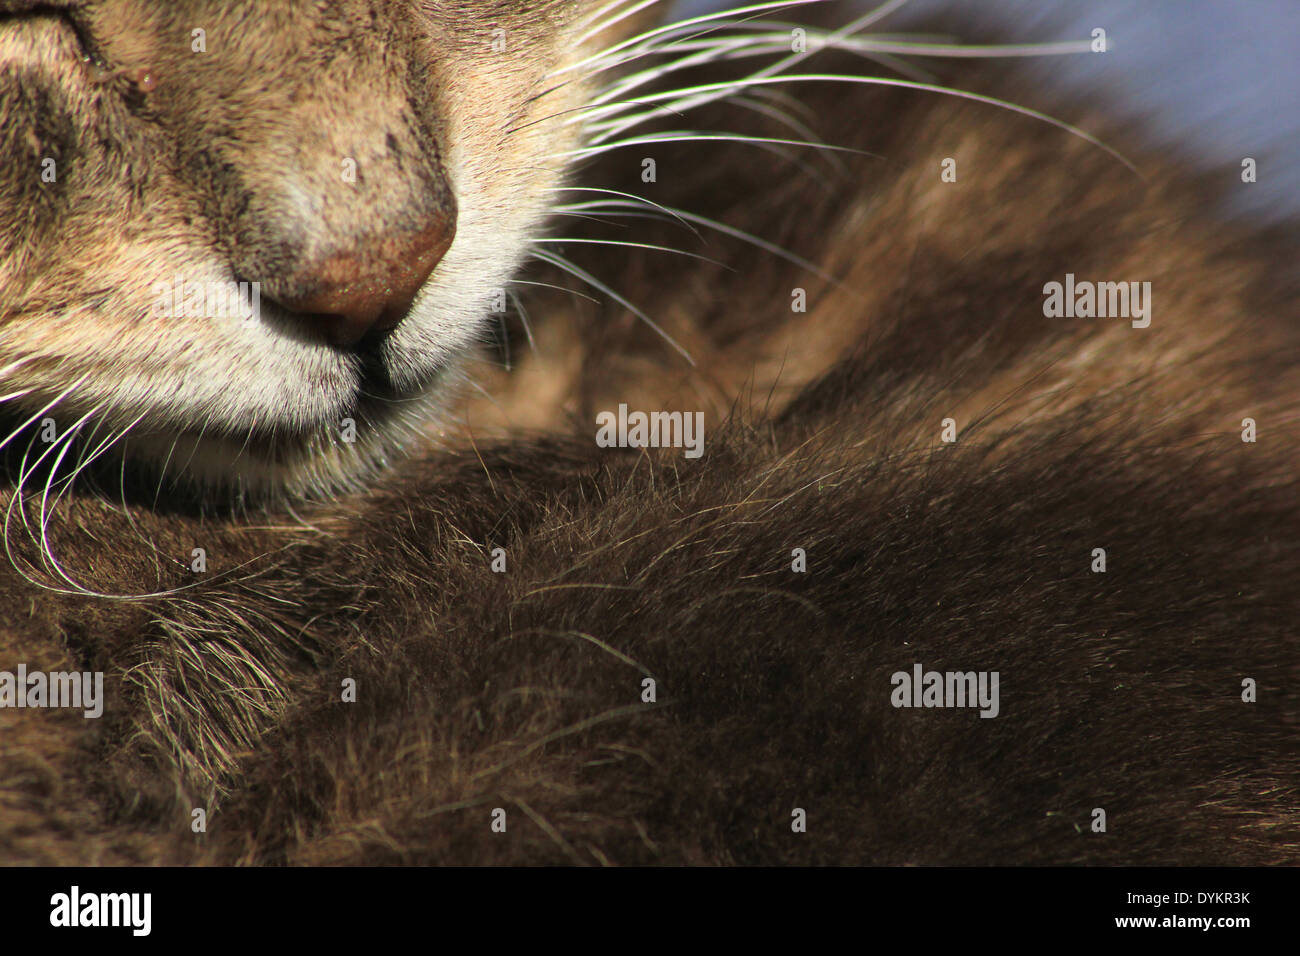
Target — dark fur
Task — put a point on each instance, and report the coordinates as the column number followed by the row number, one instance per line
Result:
column 522, row 690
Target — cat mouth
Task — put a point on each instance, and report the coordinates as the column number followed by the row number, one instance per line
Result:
column 365, row 428
column 374, row 371
column 358, row 331
column 364, row 343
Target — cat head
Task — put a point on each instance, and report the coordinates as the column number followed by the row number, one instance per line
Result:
column 243, row 242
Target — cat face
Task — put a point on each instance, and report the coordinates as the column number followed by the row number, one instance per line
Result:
column 248, row 239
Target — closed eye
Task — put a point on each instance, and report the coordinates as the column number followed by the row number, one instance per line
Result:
column 68, row 13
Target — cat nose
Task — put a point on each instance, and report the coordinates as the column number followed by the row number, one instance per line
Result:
column 370, row 285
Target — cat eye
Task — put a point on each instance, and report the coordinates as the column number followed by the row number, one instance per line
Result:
column 17, row 10
column 89, row 48
column 142, row 79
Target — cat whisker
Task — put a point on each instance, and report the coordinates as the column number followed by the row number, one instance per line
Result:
column 46, row 514
column 523, row 317
column 87, row 460
column 47, row 407
column 613, row 19
column 12, row 395
column 850, row 28
column 578, row 109
column 802, row 129
column 605, row 9
column 635, row 245
column 576, row 215
column 686, row 136
column 162, row 472
column 48, row 509
column 752, row 240
column 64, row 445
column 724, row 89
column 763, row 38
column 605, row 217
column 580, row 273
column 60, row 445
column 632, row 196
column 656, row 42
column 656, row 33
column 558, row 288
column 768, row 38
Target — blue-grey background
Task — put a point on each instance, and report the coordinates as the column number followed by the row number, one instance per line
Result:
column 1215, row 80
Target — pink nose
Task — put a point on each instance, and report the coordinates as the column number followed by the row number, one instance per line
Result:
column 369, row 287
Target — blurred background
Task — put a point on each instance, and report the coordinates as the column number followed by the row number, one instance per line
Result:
column 1215, row 79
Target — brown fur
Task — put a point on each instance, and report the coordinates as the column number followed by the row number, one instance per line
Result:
column 522, row 690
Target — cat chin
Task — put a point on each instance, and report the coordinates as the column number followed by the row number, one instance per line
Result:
column 339, row 448
column 219, row 470
column 336, row 457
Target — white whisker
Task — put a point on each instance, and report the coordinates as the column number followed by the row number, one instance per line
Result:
column 668, row 29
column 587, row 277
column 737, row 85
column 635, row 245
column 745, row 237
column 523, row 318
column 45, row 408
column 632, row 196
column 606, row 24
column 685, row 136
column 558, row 288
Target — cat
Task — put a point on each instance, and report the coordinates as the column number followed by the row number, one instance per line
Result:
column 366, row 584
